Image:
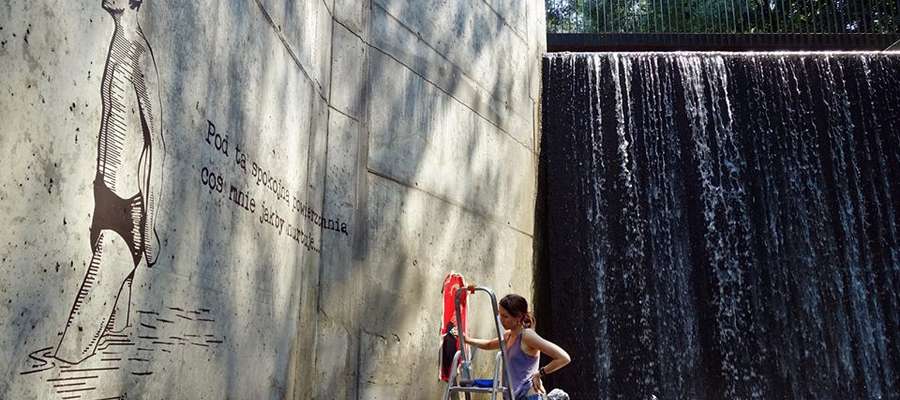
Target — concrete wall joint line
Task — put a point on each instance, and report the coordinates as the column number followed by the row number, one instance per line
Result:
column 505, row 22
column 324, row 250
column 419, row 38
column 351, row 31
column 332, row 108
column 424, row 78
column 359, row 361
column 334, row 22
column 461, row 71
column 284, row 42
column 462, row 207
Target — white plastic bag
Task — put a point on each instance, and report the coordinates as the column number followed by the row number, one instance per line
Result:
column 557, row 394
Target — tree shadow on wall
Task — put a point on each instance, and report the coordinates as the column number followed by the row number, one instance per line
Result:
column 418, row 96
column 459, row 94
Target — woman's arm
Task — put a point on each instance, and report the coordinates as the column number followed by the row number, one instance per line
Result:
column 484, row 344
column 558, row 357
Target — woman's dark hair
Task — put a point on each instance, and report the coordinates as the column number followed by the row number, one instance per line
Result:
column 517, row 306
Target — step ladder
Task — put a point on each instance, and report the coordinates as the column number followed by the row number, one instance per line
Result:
column 461, row 373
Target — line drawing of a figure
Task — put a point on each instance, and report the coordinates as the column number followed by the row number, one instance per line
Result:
column 127, row 187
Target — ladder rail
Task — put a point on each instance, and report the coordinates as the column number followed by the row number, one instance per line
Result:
column 466, row 360
column 452, row 377
column 454, row 385
column 496, row 376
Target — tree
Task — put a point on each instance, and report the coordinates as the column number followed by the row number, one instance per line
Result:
column 724, row 16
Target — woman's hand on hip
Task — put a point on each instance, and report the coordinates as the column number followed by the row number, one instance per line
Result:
column 536, row 383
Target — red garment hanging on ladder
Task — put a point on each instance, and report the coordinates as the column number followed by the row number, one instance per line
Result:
column 450, row 342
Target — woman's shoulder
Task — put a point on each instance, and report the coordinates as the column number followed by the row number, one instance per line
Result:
column 531, row 342
column 530, row 335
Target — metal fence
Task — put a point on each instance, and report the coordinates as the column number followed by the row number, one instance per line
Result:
column 724, row 16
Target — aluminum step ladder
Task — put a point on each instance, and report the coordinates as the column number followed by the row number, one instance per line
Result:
column 461, row 373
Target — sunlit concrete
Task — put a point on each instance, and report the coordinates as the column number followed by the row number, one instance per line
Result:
column 325, row 164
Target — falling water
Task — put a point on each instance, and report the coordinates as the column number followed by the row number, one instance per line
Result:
column 722, row 225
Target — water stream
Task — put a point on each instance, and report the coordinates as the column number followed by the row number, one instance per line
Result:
column 722, row 225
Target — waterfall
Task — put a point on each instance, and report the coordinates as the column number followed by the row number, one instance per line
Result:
column 722, row 225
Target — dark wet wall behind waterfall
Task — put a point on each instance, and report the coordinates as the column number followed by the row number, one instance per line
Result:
column 722, row 225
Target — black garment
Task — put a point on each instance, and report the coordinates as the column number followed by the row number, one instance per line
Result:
column 449, row 346
column 125, row 217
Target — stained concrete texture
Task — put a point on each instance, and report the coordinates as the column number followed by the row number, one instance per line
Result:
column 257, row 199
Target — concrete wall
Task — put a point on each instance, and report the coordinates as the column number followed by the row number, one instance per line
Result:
column 394, row 142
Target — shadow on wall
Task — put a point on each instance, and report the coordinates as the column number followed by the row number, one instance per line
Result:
column 411, row 233
column 268, row 111
column 417, row 115
column 195, row 246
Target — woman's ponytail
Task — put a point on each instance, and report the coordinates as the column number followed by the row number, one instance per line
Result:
column 529, row 321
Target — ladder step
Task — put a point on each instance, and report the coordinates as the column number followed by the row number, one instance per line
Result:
column 473, row 389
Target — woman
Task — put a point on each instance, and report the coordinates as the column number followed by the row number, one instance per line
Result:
column 524, row 348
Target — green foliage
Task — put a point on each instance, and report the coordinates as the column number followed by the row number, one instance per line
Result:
column 723, row 16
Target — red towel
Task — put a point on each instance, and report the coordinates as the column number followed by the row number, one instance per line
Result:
column 449, row 342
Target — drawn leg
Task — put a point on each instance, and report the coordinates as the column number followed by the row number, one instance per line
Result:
column 111, row 265
column 121, row 315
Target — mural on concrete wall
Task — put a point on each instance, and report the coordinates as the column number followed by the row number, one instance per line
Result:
column 127, row 187
column 187, row 230
column 102, row 336
column 136, row 350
